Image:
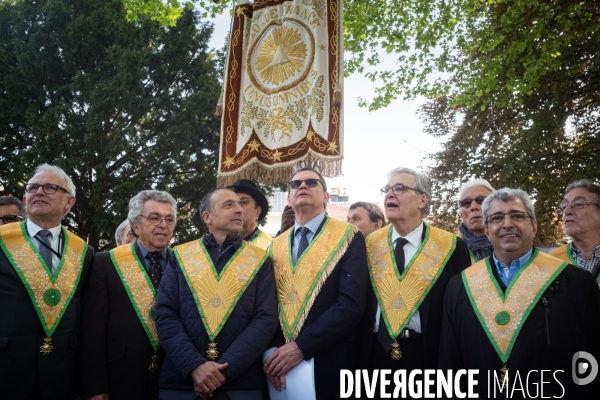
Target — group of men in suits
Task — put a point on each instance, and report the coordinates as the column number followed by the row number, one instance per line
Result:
column 144, row 321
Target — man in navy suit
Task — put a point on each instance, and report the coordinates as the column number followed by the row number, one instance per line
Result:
column 322, row 289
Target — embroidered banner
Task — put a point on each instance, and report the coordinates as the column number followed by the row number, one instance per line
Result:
column 281, row 93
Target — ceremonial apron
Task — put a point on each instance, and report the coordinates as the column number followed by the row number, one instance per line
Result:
column 50, row 293
column 140, row 290
column 216, row 294
column 298, row 285
column 262, row 240
column 502, row 315
column 400, row 295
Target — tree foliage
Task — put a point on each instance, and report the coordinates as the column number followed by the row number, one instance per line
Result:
column 120, row 106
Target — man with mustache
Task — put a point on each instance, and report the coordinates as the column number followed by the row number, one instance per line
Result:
column 43, row 272
column 216, row 310
column 471, row 229
column 410, row 264
column 120, row 354
column 520, row 311
column 255, row 206
column 581, row 219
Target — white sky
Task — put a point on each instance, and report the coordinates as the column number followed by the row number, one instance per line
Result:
column 374, row 143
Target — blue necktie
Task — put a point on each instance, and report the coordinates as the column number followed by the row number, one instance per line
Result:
column 303, row 242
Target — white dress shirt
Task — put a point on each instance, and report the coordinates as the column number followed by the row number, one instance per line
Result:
column 410, row 249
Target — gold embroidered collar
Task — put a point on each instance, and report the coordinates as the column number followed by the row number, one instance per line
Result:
column 298, row 285
column 502, row 315
column 139, row 288
column 400, row 295
column 49, row 293
column 216, row 294
column 262, row 240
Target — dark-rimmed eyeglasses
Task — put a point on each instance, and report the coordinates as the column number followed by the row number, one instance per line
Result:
column 155, row 219
column 310, row 183
column 515, row 216
column 397, row 189
column 576, row 205
column 466, row 202
column 9, row 219
column 48, row 188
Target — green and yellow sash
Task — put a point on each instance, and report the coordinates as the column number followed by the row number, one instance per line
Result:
column 50, row 293
column 400, row 295
column 139, row 287
column 298, row 285
column 262, row 240
column 216, row 294
column 564, row 253
column 502, row 315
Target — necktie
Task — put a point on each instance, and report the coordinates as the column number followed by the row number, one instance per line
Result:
column 382, row 334
column 303, row 242
column 44, row 237
column 155, row 271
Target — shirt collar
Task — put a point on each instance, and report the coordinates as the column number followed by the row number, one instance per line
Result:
column 145, row 252
column 33, row 229
column 312, row 225
column 518, row 263
column 413, row 237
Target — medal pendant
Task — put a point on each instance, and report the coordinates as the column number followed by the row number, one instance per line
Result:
column 47, row 347
column 212, row 352
column 504, row 377
column 395, row 352
column 154, row 364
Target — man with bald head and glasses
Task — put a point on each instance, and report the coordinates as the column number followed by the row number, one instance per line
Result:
column 120, row 356
column 321, row 276
column 43, row 272
column 471, row 229
column 410, row 263
column 581, row 218
column 520, row 310
column 11, row 210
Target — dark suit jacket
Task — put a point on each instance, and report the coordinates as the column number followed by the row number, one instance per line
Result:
column 329, row 332
column 115, row 350
column 430, row 311
column 22, row 334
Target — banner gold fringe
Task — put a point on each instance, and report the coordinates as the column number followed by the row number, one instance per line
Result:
column 282, row 173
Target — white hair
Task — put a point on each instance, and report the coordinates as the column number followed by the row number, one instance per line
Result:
column 119, row 231
column 470, row 184
column 59, row 171
column 137, row 203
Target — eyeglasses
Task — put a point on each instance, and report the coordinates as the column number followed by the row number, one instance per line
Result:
column 397, row 189
column 155, row 219
column 576, row 205
column 48, row 188
column 515, row 216
column 466, row 203
column 9, row 219
column 310, row 183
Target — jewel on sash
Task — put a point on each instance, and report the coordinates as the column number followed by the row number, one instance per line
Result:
column 212, row 353
column 154, row 363
column 47, row 347
column 395, row 352
column 504, row 377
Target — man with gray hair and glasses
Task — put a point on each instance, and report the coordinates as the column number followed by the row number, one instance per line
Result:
column 43, row 270
column 121, row 354
column 11, row 210
column 410, row 264
column 470, row 198
column 581, row 219
column 520, row 312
